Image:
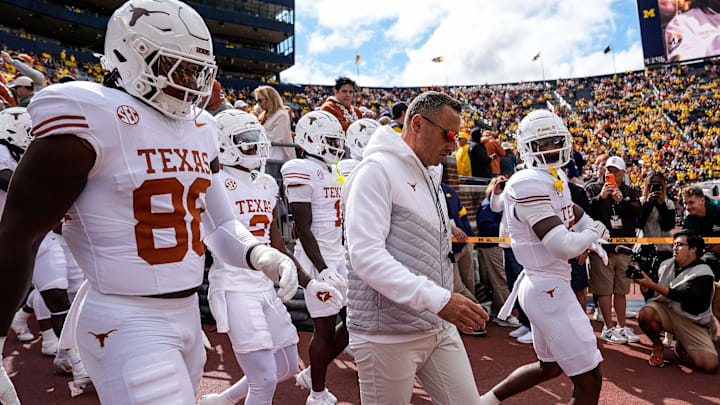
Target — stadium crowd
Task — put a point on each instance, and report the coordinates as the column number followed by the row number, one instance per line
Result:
column 664, row 118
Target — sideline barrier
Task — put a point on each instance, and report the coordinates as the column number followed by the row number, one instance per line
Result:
column 611, row 241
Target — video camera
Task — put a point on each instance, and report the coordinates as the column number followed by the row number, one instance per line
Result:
column 644, row 259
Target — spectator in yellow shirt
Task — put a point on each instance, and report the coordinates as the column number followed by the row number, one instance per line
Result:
column 462, row 156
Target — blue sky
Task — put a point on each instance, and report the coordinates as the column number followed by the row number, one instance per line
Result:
column 482, row 41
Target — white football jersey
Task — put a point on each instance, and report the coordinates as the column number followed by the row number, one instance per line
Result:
column 135, row 229
column 346, row 166
column 693, row 34
column 7, row 162
column 254, row 202
column 530, row 187
column 75, row 274
column 325, row 202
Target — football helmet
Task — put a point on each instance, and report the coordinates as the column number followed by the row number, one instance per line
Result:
column 543, row 140
column 15, row 126
column 358, row 135
column 242, row 140
column 163, row 55
column 321, row 135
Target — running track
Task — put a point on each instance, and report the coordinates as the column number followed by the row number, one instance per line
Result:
column 628, row 379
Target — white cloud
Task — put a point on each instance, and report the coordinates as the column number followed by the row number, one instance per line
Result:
column 481, row 41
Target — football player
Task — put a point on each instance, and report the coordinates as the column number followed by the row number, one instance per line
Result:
column 15, row 136
column 243, row 301
column 312, row 187
column 547, row 230
column 358, row 135
column 132, row 161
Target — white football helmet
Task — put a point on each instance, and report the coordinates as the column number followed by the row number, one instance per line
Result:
column 242, row 139
column 540, row 129
column 358, row 135
column 163, row 55
column 15, row 126
column 320, row 134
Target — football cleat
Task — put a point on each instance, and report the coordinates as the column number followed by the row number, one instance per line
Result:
column 20, row 327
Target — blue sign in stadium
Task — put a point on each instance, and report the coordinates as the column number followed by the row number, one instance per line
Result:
column 651, row 32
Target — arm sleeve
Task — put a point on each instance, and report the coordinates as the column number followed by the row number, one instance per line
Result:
column 561, row 242
column 368, row 207
column 497, row 202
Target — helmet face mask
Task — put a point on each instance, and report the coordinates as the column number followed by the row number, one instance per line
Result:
column 358, row 135
column 242, row 140
column 15, row 126
column 543, row 140
column 163, row 55
column 321, row 135
column 334, row 148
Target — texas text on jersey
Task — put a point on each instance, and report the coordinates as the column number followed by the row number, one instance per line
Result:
column 254, row 200
column 141, row 174
column 325, row 199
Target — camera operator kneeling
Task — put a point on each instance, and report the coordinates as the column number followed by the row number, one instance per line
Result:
column 682, row 305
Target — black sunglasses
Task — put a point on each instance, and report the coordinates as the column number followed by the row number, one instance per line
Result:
column 449, row 135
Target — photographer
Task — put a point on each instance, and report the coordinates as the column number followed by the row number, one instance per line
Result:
column 616, row 204
column 682, row 305
column 658, row 213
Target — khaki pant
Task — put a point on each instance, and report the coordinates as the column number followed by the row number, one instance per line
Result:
column 493, row 269
column 693, row 336
column 610, row 279
column 387, row 372
column 464, row 273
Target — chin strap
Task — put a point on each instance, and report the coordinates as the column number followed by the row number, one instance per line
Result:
column 340, row 178
column 558, row 183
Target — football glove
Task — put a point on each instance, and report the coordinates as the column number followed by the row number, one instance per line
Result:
column 334, row 279
column 277, row 267
column 326, row 293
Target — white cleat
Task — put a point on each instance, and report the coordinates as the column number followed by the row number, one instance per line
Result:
column 519, row 331
column 325, row 398
column 20, row 327
column 81, row 378
column 215, row 399
column 527, row 338
column 304, row 380
column 49, row 347
column 62, row 362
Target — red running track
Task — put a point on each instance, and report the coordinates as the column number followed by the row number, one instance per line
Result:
column 628, row 379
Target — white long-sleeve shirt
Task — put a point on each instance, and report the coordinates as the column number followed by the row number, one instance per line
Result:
column 368, row 197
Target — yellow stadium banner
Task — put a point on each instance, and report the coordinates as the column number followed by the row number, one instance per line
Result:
column 611, row 241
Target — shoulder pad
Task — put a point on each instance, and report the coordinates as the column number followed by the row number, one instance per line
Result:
column 64, row 108
column 297, row 171
column 529, row 186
